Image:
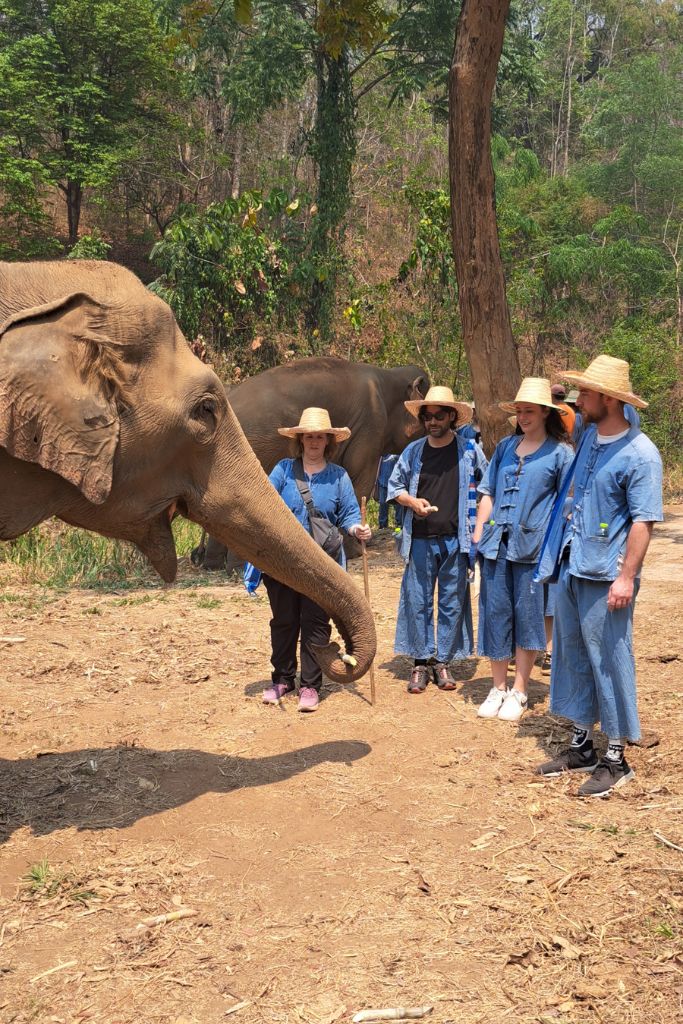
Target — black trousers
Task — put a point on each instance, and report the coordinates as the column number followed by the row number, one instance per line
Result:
column 294, row 614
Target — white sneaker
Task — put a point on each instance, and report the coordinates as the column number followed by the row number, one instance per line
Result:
column 513, row 706
column 492, row 704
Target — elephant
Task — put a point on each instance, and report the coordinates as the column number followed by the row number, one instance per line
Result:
column 109, row 422
column 368, row 399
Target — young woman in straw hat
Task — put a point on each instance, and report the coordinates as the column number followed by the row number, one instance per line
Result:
column 314, row 441
column 518, row 491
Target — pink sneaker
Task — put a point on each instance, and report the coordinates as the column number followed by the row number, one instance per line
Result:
column 308, row 699
column 275, row 693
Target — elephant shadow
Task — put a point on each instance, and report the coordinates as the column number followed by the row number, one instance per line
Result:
column 113, row 787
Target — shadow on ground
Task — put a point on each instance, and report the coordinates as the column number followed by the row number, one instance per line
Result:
column 113, row 787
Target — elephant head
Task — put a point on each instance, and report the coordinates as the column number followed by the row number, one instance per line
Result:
column 403, row 426
column 108, row 421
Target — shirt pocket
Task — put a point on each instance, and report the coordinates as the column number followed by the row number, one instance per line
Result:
column 527, row 543
column 596, row 555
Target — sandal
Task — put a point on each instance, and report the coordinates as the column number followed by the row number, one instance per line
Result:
column 442, row 677
column 419, row 678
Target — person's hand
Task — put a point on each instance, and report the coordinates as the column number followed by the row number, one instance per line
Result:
column 421, row 507
column 472, row 556
column 620, row 594
column 363, row 533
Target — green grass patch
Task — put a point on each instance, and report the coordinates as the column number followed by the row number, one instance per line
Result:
column 208, row 602
column 42, row 880
column 56, row 555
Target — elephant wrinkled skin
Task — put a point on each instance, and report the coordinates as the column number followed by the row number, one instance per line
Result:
column 109, row 422
column 368, row 399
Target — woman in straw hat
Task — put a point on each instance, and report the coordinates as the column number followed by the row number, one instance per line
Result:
column 617, row 499
column 433, row 480
column 518, row 491
column 314, row 441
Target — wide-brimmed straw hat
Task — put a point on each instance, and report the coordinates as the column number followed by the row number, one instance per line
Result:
column 533, row 391
column 608, row 376
column 441, row 396
column 315, row 421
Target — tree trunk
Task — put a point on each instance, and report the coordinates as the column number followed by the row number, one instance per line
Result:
column 487, row 331
column 237, row 162
column 74, row 196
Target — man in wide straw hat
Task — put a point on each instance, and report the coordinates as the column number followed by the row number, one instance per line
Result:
column 433, row 480
column 617, row 499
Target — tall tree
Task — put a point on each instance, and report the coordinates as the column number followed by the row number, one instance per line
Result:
column 77, row 79
column 487, row 330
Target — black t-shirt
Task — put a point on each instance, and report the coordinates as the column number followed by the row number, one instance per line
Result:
column 440, row 484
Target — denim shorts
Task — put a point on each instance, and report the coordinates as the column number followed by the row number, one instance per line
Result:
column 510, row 608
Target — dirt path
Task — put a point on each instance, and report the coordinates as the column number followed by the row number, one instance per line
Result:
column 353, row 858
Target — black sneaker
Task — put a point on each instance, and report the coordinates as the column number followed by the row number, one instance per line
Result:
column 607, row 776
column 576, row 759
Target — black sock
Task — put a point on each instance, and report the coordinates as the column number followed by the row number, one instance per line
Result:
column 420, row 661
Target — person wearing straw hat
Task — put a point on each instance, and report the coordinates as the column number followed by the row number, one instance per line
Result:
column 433, row 480
column 518, row 491
column 617, row 500
column 308, row 475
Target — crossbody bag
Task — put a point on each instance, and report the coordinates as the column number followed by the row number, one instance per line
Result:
column 323, row 532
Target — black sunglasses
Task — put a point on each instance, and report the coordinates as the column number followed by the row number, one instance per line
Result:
column 438, row 416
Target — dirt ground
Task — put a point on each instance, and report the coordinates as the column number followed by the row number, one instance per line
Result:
column 397, row 856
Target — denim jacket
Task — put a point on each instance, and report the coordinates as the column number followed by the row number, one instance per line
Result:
column 523, row 492
column 406, row 477
column 615, row 485
column 331, row 490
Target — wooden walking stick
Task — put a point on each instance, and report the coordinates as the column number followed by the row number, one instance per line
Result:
column 366, row 581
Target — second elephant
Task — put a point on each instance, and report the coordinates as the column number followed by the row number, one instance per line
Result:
column 368, row 399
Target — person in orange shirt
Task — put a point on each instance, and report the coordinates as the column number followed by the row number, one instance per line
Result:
column 559, row 394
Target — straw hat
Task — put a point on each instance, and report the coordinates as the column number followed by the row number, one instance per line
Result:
column 534, row 391
column 441, row 396
column 609, row 376
column 315, row 421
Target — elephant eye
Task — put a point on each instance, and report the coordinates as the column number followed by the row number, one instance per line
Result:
column 205, row 408
column 205, row 413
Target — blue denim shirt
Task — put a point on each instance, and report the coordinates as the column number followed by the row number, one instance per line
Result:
column 615, row 485
column 331, row 490
column 406, row 477
column 523, row 492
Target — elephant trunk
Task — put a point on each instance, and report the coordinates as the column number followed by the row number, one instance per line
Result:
column 239, row 507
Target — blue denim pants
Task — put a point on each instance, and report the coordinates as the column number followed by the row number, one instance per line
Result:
column 593, row 676
column 435, row 560
column 510, row 608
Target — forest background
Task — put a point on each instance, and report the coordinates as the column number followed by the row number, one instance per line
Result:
column 278, row 171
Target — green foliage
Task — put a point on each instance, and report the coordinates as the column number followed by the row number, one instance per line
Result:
column 226, row 268
column 432, row 253
column 90, row 247
column 75, row 81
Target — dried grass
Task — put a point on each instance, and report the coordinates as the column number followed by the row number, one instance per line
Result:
column 356, row 858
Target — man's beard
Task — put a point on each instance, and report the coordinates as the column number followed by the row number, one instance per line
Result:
column 440, row 430
column 595, row 417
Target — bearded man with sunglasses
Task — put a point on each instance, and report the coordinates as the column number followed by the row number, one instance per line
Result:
column 434, row 480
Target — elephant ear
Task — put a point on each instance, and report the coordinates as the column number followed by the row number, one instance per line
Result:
column 418, row 389
column 60, row 378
